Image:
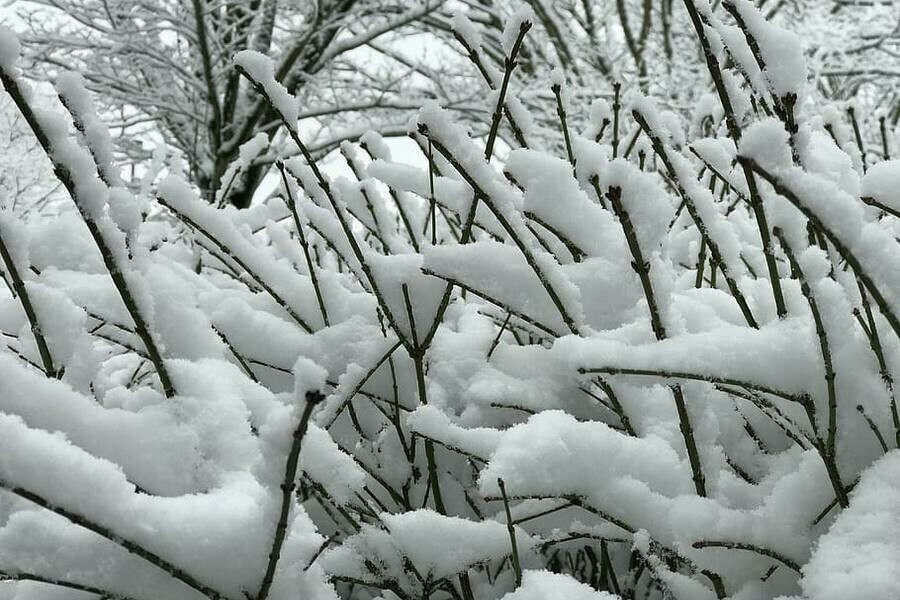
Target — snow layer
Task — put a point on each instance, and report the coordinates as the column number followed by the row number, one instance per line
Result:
column 859, row 557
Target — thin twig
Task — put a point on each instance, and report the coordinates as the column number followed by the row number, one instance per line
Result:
column 511, row 529
column 129, row 545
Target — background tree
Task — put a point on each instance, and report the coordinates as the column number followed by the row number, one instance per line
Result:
column 167, row 67
column 27, row 184
column 166, row 72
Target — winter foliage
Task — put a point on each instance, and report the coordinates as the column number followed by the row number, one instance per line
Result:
column 630, row 351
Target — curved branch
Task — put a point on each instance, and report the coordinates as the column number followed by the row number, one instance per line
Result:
column 4, row 576
column 129, row 545
column 287, row 492
column 867, row 281
column 64, row 174
column 802, row 399
column 751, row 548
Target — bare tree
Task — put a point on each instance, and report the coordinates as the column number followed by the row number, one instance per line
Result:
column 27, row 185
column 167, row 66
column 850, row 47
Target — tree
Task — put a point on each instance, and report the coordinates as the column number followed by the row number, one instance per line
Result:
column 168, row 66
column 27, row 185
column 165, row 70
column 655, row 359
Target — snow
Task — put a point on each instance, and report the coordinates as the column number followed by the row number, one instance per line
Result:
column 463, row 542
column 643, row 480
column 282, row 284
column 513, row 25
column 9, row 48
column 859, row 557
column 250, row 150
column 431, row 422
column 737, row 352
column 262, row 71
column 766, row 142
column 782, row 51
column 503, row 201
column 544, row 585
column 499, row 272
column 411, row 535
column 247, row 153
column 881, row 183
column 72, row 90
column 721, row 231
column 324, row 462
column 466, row 30
column 557, row 439
column 125, row 210
column 527, row 353
column 844, row 218
column 571, row 212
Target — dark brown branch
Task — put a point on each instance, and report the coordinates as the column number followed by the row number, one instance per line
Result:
column 21, row 576
column 734, row 131
column 11, row 85
column 303, row 243
column 663, row 154
column 504, row 222
column 21, row 292
column 227, row 252
column 510, row 65
column 511, row 529
column 287, row 492
column 786, row 192
column 791, row 564
column 828, row 456
column 129, row 545
column 802, row 399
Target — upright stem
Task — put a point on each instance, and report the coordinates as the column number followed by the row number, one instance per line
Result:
column 510, row 528
column 561, row 112
column 878, row 351
column 716, row 256
column 418, row 356
column 401, row 210
column 303, row 244
column 617, row 108
column 826, row 449
column 11, row 85
column 509, row 65
column 734, row 131
column 475, row 57
column 852, row 260
column 851, row 112
column 431, row 199
column 25, row 300
column 325, row 186
column 642, row 268
column 505, row 223
column 287, row 492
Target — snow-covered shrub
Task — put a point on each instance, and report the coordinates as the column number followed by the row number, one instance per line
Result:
column 657, row 365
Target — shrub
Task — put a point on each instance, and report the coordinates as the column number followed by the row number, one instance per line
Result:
column 661, row 366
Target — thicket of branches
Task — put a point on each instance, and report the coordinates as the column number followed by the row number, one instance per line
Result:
column 640, row 355
column 163, row 71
